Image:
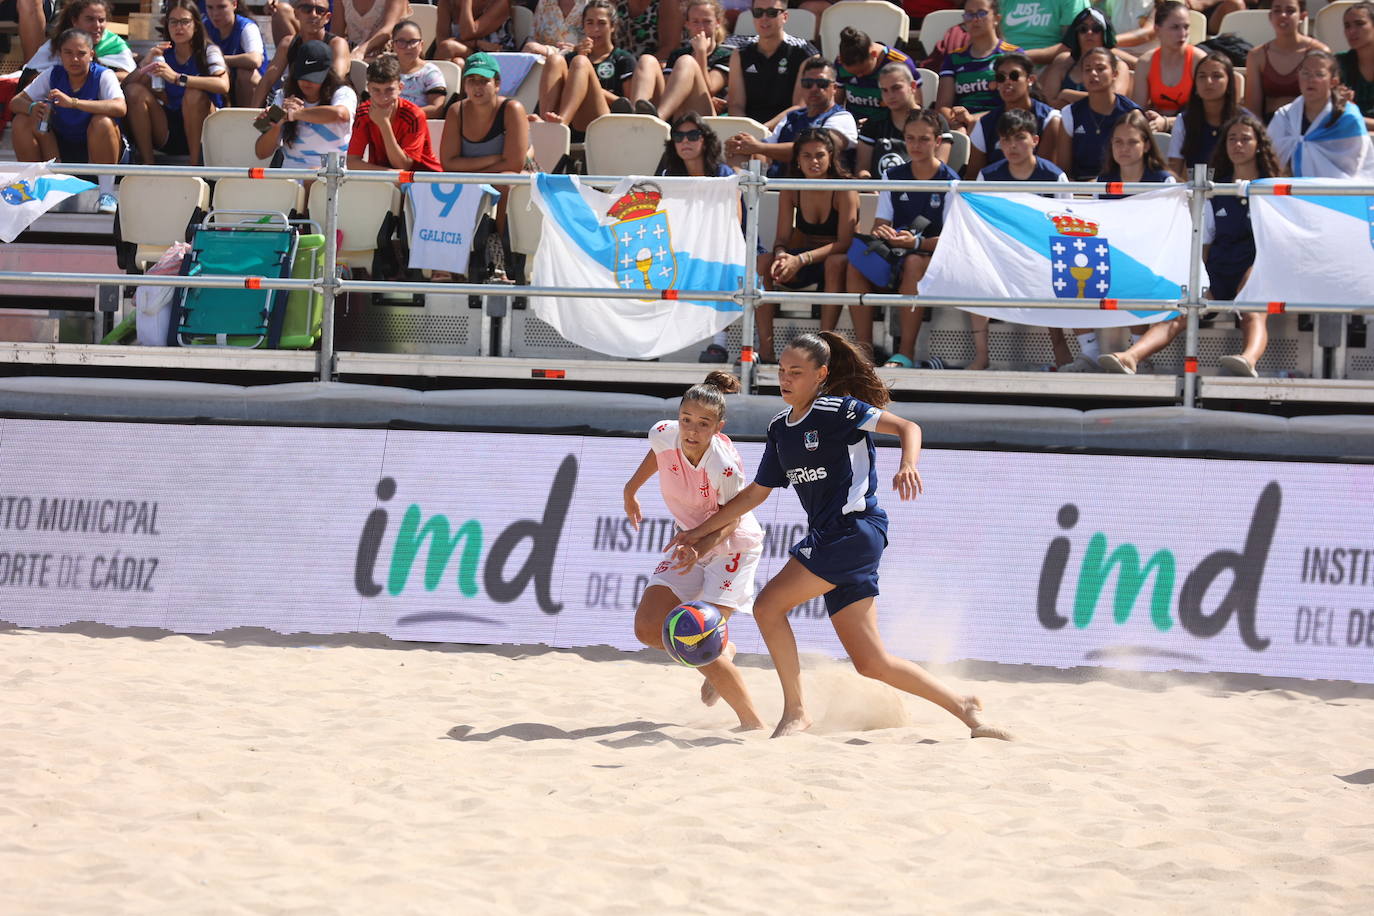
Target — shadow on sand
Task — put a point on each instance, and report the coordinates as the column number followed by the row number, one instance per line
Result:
column 634, row 734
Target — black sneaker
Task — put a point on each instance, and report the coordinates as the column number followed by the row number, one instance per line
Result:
column 622, row 106
column 715, row 353
column 644, row 106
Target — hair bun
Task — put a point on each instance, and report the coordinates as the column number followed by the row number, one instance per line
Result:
column 723, row 381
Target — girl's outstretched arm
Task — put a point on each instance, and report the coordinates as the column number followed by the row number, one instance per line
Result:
column 907, row 483
column 641, row 476
column 746, row 500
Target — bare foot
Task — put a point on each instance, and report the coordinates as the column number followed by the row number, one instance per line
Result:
column 977, row 365
column 553, row 117
column 977, row 729
column 709, row 696
column 792, row 725
column 749, row 726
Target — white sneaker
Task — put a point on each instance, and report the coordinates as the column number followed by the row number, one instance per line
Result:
column 1081, row 364
column 108, row 204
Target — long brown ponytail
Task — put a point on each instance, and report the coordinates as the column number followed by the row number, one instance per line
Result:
column 712, row 390
column 851, row 371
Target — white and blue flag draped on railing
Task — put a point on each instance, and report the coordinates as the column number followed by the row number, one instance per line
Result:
column 1331, row 148
column 1311, row 249
column 1023, row 246
column 654, row 234
column 28, row 194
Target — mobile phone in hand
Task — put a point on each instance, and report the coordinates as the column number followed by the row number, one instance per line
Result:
column 274, row 115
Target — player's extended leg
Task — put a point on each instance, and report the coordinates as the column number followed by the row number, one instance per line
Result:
column 793, row 585
column 857, row 627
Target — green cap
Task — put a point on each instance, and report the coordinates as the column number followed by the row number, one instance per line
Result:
column 481, row 64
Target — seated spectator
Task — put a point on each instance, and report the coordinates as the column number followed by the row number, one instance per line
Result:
column 177, row 88
column 314, row 18
column 1132, row 155
column 1213, row 103
column 909, row 222
column 32, row 17
column 1017, row 138
column 882, row 142
column 1228, row 251
column 81, row 103
column 652, row 27
column 111, row 51
column 966, row 75
column 765, row 69
column 818, row 96
column 1357, row 64
column 1014, row 78
column 694, row 76
column 861, row 59
column 1085, row 127
column 578, row 87
column 1062, row 82
column 240, row 41
column 1272, row 68
column 367, row 24
column 421, row 82
column 814, row 231
column 1037, row 26
column 485, row 132
column 318, row 106
column 1163, row 78
column 1320, row 134
column 473, row 25
column 557, row 27
column 389, row 131
column 1133, row 21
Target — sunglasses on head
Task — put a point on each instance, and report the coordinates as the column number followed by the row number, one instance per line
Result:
column 687, row 136
column 816, row 82
column 976, row 14
column 1011, row 76
column 762, row 12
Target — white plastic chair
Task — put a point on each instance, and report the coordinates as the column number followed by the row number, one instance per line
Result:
column 1329, row 27
column 357, row 77
column 625, row 144
column 930, row 86
column 1252, row 25
column 154, row 211
column 521, row 24
column 868, row 209
column 729, row 125
column 1197, row 27
column 453, row 75
column 277, row 195
column 426, row 16
column 436, row 133
column 551, row 143
column 935, row 25
column 883, row 22
column 524, row 221
column 528, row 93
column 362, row 207
column 959, row 149
column 229, row 138
column 1162, row 140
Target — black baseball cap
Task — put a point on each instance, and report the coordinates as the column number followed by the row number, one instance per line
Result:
column 312, row 63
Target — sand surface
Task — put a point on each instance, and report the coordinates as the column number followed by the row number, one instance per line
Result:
column 142, row 772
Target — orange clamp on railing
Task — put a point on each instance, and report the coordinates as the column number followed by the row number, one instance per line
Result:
column 252, row 282
column 257, row 173
column 669, row 294
column 547, row 373
column 1283, row 190
column 1108, row 304
column 406, row 178
column 1116, row 187
column 746, row 354
column 1277, row 308
column 1190, row 365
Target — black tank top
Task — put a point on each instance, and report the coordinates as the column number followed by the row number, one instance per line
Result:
column 827, row 229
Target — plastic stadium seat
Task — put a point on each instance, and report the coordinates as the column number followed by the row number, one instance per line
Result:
column 800, row 24
column 229, row 138
column 528, row 92
column 935, row 25
column 436, row 134
column 882, row 21
column 426, row 16
column 1329, row 26
column 357, row 78
column 1252, row 25
column 521, row 24
column 362, row 207
column 551, row 143
column 154, row 211
column 625, row 144
column 276, row 195
column 930, row 86
column 729, row 125
column 959, row 148
column 524, row 221
column 1197, row 27
column 868, row 209
column 1162, row 140
column 453, row 75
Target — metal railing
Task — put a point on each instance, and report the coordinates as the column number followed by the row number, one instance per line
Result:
column 753, row 184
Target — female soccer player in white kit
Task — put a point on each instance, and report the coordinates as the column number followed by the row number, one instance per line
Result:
column 699, row 470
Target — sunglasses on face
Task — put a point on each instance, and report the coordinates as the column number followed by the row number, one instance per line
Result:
column 686, row 136
column 816, row 82
column 1090, row 30
column 767, row 12
column 1011, row 76
column 976, row 14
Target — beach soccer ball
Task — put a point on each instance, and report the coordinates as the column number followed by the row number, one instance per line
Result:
column 695, row 634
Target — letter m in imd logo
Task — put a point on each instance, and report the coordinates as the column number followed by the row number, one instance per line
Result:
column 1080, row 259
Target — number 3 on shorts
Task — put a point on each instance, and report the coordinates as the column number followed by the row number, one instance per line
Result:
column 733, row 565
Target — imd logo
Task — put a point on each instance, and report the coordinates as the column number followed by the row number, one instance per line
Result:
column 1160, row 572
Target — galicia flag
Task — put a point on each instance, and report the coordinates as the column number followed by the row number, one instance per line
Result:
column 1023, row 246
column 28, row 194
column 651, row 234
column 1311, row 249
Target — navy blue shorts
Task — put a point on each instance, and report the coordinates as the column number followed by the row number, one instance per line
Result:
column 1224, row 287
column 846, row 556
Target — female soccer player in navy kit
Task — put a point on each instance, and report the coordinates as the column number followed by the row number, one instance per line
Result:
column 823, row 445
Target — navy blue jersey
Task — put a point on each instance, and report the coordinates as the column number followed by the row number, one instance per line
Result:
column 1151, row 175
column 1091, row 133
column 985, row 131
column 1044, row 171
column 1226, row 228
column 903, row 208
column 828, row 456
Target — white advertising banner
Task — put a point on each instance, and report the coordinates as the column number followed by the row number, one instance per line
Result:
column 1064, row 560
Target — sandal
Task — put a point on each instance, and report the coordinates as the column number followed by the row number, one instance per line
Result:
column 1237, row 365
column 899, row 361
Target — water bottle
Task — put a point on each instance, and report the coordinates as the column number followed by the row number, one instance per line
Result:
column 157, row 83
column 43, row 125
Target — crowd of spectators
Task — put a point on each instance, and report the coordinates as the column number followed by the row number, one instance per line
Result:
column 1058, row 90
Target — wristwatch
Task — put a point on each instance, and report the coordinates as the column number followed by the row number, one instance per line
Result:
column 181, row 80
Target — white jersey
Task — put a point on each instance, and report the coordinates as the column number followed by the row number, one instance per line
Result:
column 416, row 87
column 445, row 219
column 693, row 493
column 316, row 141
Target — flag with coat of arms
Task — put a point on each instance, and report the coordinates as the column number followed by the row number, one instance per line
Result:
column 650, row 234
column 1023, row 246
column 29, row 193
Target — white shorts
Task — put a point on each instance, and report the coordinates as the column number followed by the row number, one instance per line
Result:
column 725, row 579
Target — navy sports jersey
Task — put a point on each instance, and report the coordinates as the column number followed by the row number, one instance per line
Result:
column 1226, row 229
column 1158, row 176
column 1091, row 133
column 902, row 208
column 828, row 455
column 1044, row 171
column 984, row 136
